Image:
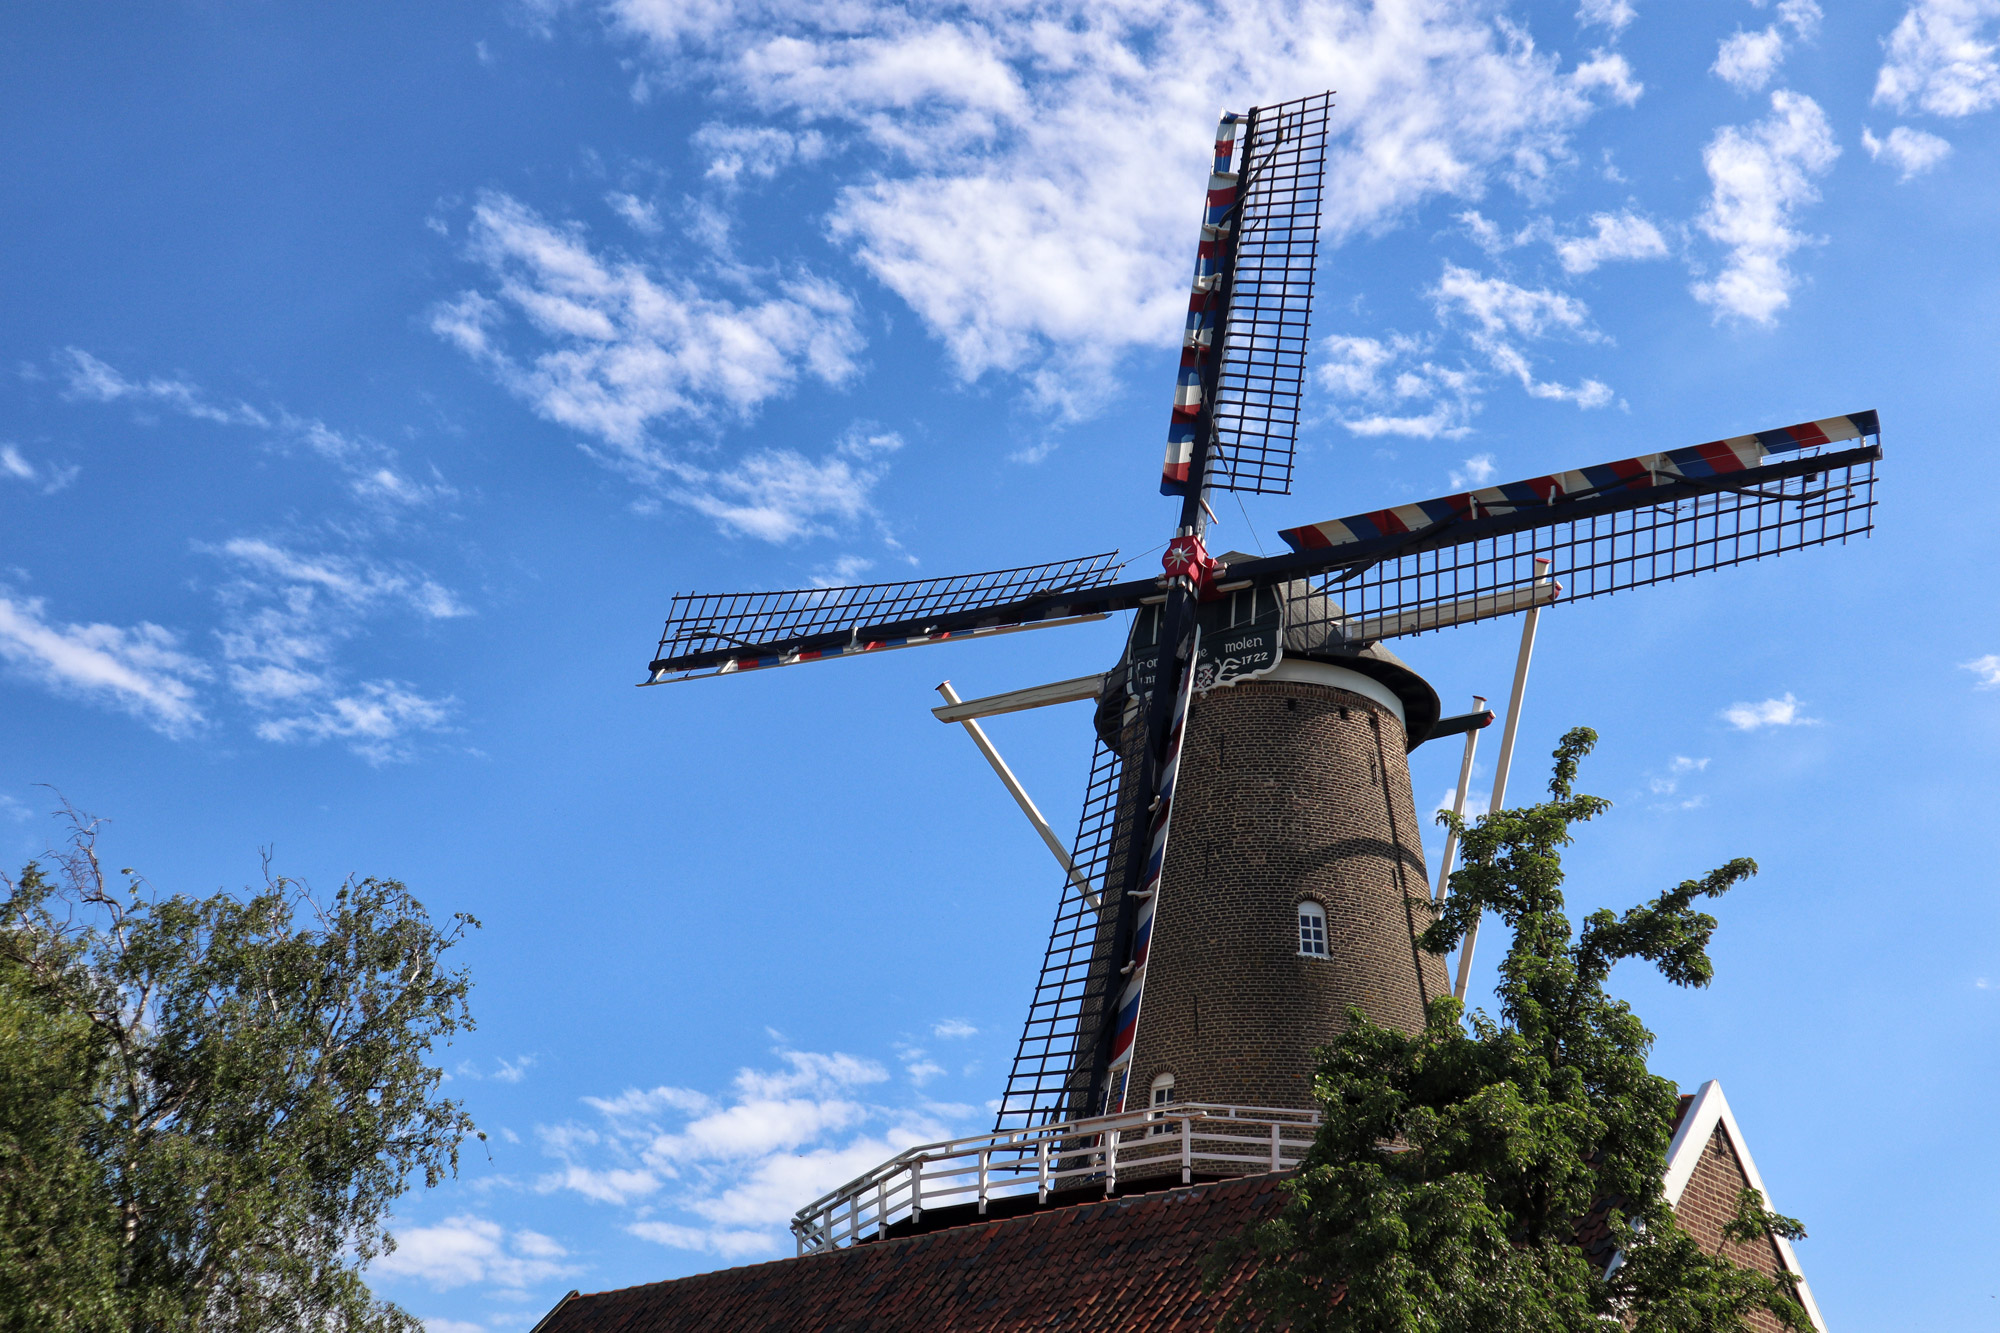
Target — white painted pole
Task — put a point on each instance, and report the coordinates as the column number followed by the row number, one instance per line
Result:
column 1507, row 735
column 1458, row 802
column 1021, row 798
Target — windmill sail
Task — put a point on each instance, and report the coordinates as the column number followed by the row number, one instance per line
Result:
column 1604, row 529
column 1244, row 347
column 1050, row 1080
column 724, row 633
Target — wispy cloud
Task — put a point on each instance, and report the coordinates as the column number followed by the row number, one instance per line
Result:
column 608, row 346
column 1394, row 386
column 723, row 1174
column 1911, row 152
column 954, row 1029
column 1767, row 713
column 372, row 469
column 1668, row 783
column 1477, row 471
column 754, row 152
column 465, row 1249
column 1987, row 668
column 780, row 494
column 285, row 612
column 1502, row 315
column 1616, row 15
column 1762, row 177
column 1941, row 59
column 48, row 478
column 1613, row 236
column 140, row 669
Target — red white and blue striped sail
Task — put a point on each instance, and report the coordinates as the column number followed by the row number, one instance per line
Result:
column 1198, row 339
column 1126, row 1023
column 1716, row 459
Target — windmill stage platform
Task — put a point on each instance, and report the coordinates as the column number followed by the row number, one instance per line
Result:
column 1079, row 1259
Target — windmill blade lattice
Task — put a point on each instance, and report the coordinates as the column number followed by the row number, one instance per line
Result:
column 1050, row 1078
column 1602, row 529
column 1266, row 331
column 720, row 633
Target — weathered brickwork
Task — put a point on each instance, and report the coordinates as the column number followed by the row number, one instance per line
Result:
column 1709, row 1202
column 1288, row 790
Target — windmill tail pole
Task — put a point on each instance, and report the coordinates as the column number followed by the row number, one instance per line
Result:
column 1513, row 727
column 1458, row 803
column 1021, row 798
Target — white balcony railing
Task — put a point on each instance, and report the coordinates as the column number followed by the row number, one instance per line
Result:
column 1183, row 1138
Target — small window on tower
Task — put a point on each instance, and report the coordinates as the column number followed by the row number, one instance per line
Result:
column 1163, row 1093
column 1312, row 929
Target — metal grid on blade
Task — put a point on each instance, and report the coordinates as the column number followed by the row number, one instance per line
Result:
column 1606, row 553
column 1262, row 375
column 698, row 622
column 1052, row 1065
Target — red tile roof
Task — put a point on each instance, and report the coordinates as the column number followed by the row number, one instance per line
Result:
column 1130, row 1264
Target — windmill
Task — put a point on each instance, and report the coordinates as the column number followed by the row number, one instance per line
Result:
column 1285, row 648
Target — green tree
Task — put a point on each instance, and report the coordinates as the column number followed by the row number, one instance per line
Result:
column 1454, row 1167
column 210, row 1104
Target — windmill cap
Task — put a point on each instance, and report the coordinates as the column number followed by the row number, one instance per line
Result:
column 1313, row 631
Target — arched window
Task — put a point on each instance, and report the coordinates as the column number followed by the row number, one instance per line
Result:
column 1312, row 929
column 1163, row 1093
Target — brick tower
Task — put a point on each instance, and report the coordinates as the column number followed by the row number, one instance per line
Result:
column 1295, row 883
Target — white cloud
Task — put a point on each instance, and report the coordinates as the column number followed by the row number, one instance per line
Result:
column 1746, row 61
column 617, row 1185
column 617, row 347
column 1769, row 713
column 735, row 1169
column 1912, row 152
column 1018, row 205
column 722, row 1241
column 1677, row 768
column 435, row 1325
column 1502, row 312
column 1612, row 14
column 1762, row 177
column 1478, row 470
column 140, row 670
column 466, row 1249
column 1616, row 236
column 1392, row 387
column 48, row 479
column 953, row 1029
column 284, row 615
column 1941, row 59
column 376, row 719
column 780, row 494
column 1987, row 668
column 757, row 151
column 513, row 1071
column 641, row 216
column 92, row 380
column 371, row 467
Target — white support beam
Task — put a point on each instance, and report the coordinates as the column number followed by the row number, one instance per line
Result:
column 1507, row 735
column 1012, row 783
column 1483, row 607
column 1015, row 701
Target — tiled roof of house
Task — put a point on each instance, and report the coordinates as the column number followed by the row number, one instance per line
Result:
column 1131, row 1264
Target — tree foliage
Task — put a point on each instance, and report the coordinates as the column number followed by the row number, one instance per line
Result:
column 1455, row 1168
column 208, row 1105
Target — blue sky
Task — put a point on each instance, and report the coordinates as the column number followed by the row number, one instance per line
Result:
column 375, row 373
